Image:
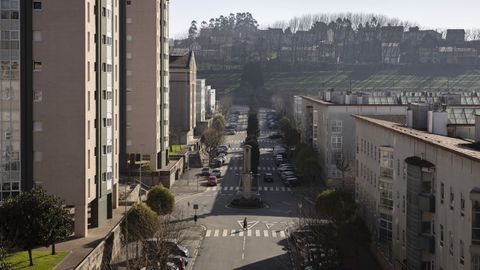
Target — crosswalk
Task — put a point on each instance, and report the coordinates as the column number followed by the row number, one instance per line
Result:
column 260, row 188
column 260, row 168
column 217, row 233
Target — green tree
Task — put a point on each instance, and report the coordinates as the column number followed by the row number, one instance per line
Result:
column 255, row 158
column 28, row 220
column 161, row 200
column 193, row 31
column 336, row 205
column 356, row 233
column 252, row 124
column 59, row 224
column 140, row 223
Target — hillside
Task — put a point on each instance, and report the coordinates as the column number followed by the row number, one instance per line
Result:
column 309, row 82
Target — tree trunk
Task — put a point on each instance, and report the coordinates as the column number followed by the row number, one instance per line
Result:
column 53, row 249
column 30, row 256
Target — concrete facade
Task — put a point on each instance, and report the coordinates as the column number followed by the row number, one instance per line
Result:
column 210, row 97
column 75, row 123
column 183, row 80
column 329, row 129
column 147, row 85
column 419, row 194
column 200, row 101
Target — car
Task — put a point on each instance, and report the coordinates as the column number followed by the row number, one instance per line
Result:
column 291, row 182
column 268, row 177
column 275, row 136
column 205, row 171
column 230, row 131
column 212, row 180
column 216, row 172
column 179, row 261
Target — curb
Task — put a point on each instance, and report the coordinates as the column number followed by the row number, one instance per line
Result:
column 195, row 252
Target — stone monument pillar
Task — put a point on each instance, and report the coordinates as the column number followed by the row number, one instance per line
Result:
column 247, row 176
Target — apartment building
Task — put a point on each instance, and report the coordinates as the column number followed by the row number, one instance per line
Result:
column 147, row 84
column 328, row 127
column 183, row 80
column 210, row 101
column 200, row 103
column 75, row 87
column 419, row 191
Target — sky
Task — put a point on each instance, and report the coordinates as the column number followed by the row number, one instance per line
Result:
column 426, row 13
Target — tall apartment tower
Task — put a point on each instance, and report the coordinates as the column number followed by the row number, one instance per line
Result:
column 60, row 97
column 147, row 83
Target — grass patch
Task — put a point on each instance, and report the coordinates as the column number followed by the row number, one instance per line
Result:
column 42, row 260
column 175, row 149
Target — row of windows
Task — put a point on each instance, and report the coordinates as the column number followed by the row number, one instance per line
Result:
column 451, row 244
column 9, row 4
column 452, row 199
column 9, row 15
column 9, row 35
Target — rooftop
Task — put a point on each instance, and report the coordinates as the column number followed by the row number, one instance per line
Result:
column 465, row 148
column 181, row 59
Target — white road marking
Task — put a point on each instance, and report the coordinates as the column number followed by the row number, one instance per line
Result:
column 231, row 188
column 289, row 189
column 257, row 233
column 214, row 188
column 216, row 233
column 237, row 188
column 240, row 233
column 225, row 188
column 271, row 188
column 209, row 188
column 274, row 234
column 249, row 233
column 265, row 233
column 225, row 232
column 232, row 233
column 283, row 188
column 209, row 232
column 282, row 234
column 277, row 189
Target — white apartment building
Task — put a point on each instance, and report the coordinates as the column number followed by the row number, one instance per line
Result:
column 329, row 128
column 419, row 192
column 200, row 100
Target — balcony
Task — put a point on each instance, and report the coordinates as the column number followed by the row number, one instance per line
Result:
column 427, row 202
column 427, row 244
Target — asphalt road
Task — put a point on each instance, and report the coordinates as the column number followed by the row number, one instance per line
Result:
column 263, row 245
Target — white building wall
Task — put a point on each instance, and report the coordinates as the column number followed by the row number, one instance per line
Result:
column 455, row 172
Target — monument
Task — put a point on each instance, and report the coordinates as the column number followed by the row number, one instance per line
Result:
column 246, row 175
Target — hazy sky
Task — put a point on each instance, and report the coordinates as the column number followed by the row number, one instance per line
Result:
column 428, row 13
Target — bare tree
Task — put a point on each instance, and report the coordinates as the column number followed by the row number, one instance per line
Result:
column 344, row 163
column 211, row 139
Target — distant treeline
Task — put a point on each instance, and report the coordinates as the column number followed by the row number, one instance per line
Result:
column 228, row 42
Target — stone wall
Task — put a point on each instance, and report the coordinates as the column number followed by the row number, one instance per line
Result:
column 107, row 252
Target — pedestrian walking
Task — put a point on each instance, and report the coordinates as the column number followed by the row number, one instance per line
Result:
column 245, row 224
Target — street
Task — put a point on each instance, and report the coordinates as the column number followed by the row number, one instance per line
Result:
column 263, row 245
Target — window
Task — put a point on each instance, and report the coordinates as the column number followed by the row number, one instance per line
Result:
column 89, row 187
column 107, row 122
column 37, row 126
column 8, row 134
column 88, row 100
column 88, row 130
column 107, row 149
column 336, row 142
column 88, row 11
column 462, row 205
column 104, row 12
column 337, row 126
column 129, row 108
column 450, row 238
column 441, row 236
column 37, row 5
column 452, row 200
column 462, row 253
column 37, row 96
column 37, row 36
column 386, row 163
column 88, row 159
column 37, row 66
column 37, row 156
column 442, row 192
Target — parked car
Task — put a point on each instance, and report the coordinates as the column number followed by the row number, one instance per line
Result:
column 216, row 173
column 291, row 182
column 275, row 136
column 230, row 131
column 212, row 180
column 268, row 177
column 205, row 171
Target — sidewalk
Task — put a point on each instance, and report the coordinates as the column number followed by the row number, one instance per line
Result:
column 79, row 248
column 193, row 240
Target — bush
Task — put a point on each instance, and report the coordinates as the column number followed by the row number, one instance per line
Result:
column 248, row 204
column 161, row 200
column 141, row 221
